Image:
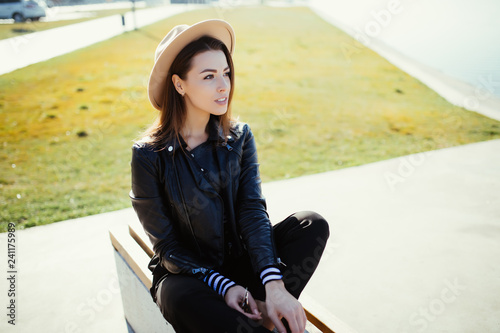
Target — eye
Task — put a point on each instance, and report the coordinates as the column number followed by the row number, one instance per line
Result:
column 227, row 74
column 208, row 77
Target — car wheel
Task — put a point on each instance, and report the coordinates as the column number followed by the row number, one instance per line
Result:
column 18, row 17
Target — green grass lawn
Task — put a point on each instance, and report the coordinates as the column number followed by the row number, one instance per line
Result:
column 23, row 28
column 68, row 123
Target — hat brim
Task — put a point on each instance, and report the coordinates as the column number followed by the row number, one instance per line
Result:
column 218, row 29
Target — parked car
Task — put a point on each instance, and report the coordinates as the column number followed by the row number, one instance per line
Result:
column 20, row 10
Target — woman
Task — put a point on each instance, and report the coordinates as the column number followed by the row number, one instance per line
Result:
column 219, row 265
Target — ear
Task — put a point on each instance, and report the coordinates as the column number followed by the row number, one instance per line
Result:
column 177, row 81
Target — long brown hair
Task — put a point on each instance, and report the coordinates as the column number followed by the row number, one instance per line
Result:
column 173, row 113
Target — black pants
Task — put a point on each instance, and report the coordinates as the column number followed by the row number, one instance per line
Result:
column 192, row 307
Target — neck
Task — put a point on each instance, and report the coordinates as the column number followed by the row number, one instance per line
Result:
column 195, row 125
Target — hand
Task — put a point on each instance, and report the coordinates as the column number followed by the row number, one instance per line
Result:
column 281, row 304
column 235, row 296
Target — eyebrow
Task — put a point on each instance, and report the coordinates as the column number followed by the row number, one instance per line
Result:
column 212, row 70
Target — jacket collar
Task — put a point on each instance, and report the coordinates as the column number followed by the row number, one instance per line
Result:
column 215, row 134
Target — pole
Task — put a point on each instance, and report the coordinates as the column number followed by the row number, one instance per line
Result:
column 133, row 14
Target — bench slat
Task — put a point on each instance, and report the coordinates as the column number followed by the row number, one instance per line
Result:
column 317, row 322
column 322, row 318
column 133, row 254
column 137, row 233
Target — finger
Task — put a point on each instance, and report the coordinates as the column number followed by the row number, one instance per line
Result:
column 237, row 307
column 297, row 319
column 253, row 316
column 293, row 323
column 277, row 323
column 301, row 325
column 301, row 318
column 304, row 320
column 253, row 305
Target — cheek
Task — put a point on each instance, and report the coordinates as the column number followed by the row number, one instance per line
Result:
column 201, row 93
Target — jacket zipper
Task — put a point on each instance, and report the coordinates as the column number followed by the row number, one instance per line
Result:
column 281, row 262
column 194, row 270
column 278, row 259
column 184, row 206
column 225, row 144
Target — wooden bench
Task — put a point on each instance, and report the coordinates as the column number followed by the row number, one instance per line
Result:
column 132, row 254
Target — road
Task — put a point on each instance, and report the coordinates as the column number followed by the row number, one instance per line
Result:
column 22, row 51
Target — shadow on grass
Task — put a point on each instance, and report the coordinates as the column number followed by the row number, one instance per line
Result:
column 22, row 30
column 149, row 35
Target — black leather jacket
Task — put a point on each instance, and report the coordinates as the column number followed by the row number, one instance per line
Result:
column 184, row 216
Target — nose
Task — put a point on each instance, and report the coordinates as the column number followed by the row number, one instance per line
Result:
column 224, row 84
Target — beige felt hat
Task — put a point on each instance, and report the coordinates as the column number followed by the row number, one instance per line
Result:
column 179, row 37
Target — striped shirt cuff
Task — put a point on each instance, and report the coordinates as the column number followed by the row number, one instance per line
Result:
column 218, row 282
column 270, row 273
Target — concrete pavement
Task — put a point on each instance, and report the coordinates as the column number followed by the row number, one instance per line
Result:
column 458, row 69
column 415, row 240
column 414, row 248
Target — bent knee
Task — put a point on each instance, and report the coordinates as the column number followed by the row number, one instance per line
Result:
column 318, row 223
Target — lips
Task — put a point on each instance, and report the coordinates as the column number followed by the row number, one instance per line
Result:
column 221, row 101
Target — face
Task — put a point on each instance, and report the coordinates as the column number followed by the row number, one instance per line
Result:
column 207, row 85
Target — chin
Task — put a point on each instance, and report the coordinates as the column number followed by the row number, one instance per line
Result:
column 219, row 112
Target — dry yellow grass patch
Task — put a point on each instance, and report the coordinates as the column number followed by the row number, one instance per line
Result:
column 68, row 123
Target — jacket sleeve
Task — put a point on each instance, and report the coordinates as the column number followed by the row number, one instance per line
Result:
column 149, row 202
column 255, row 226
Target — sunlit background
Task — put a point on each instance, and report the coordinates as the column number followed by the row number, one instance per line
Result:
column 324, row 84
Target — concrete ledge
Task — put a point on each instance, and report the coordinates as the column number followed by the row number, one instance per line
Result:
column 140, row 311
